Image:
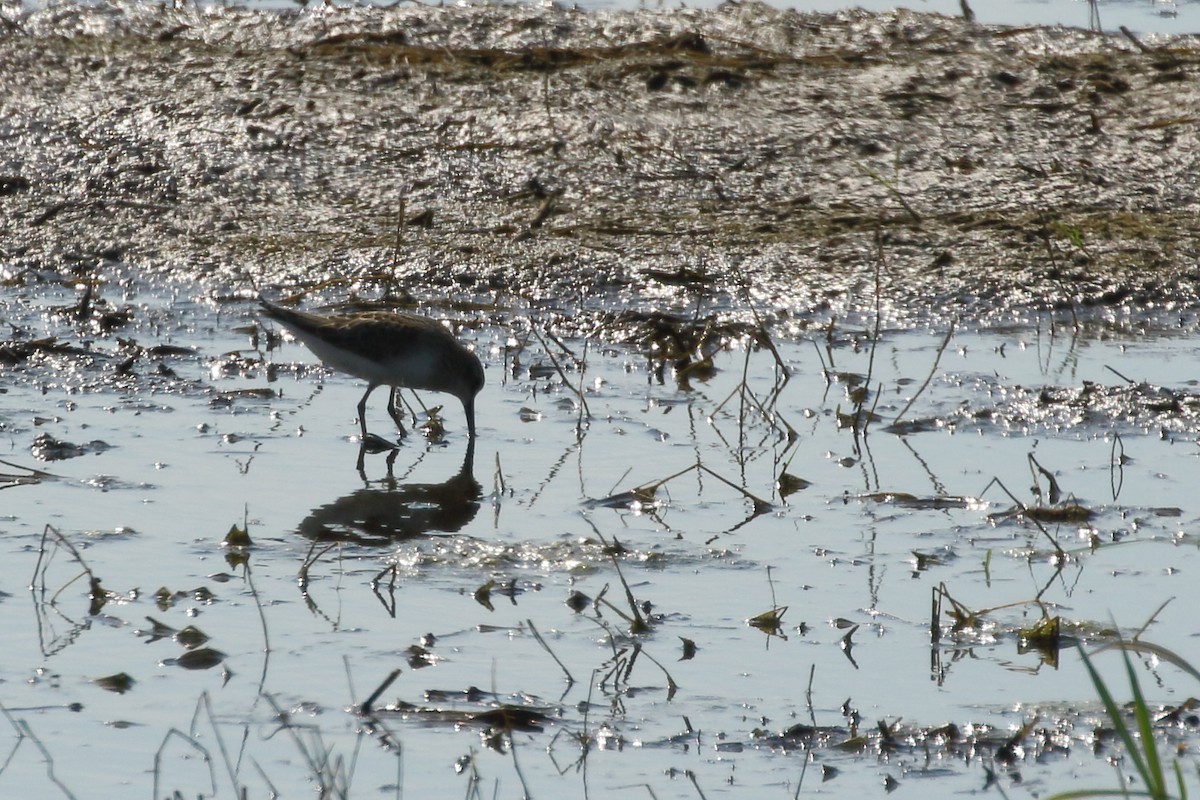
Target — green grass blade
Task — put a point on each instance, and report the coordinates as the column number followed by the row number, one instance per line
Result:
column 1076, row 794
column 1156, row 780
column 1114, row 714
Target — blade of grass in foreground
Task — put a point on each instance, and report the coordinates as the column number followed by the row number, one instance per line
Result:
column 1143, row 753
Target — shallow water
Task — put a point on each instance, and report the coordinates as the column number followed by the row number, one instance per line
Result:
column 185, row 463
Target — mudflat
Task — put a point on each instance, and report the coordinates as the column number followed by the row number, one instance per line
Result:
column 548, row 157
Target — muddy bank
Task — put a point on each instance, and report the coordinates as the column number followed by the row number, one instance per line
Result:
column 546, row 158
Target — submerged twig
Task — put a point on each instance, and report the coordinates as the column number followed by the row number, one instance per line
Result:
column 861, row 422
column 933, row 369
column 760, row 506
column 578, row 392
column 25, row 732
column 195, row 745
column 636, row 623
column 1125, row 378
column 892, row 188
column 763, row 336
column 546, row 647
column 368, row 705
column 395, row 263
column 672, row 687
column 1060, row 553
column 25, row 477
column 1053, row 492
column 96, row 593
column 812, row 716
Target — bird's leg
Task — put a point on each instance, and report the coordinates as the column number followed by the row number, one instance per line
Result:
column 394, row 412
column 362, row 411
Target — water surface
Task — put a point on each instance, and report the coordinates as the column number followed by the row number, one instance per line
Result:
column 314, row 629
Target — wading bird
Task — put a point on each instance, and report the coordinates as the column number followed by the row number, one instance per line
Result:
column 385, row 349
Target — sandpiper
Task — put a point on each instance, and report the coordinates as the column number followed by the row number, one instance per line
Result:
column 385, row 349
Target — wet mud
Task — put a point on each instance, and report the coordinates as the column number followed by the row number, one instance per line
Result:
column 545, row 158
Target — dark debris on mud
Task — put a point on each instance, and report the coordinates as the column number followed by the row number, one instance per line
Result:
column 1100, row 409
column 1043, row 735
column 1136, row 407
column 569, row 162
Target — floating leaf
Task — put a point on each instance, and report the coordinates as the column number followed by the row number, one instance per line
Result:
column 631, row 499
column 204, row 658
column 164, row 599
column 202, row 595
column 237, row 537
column 1045, row 632
column 689, row 649
column 790, row 484
column 1043, row 637
column 578, row 601
column 855, row 744
column 483, row 595
column 158, row 630
column 937, row 558
column 770, row 622
column 119, row 683
column 513, row 718
column 1072, row 512
column 191, row 637
column 98, row 595
column 374, row 444
column 906, row 427
column 419, row 657
column 849, row 378
column 434, row 429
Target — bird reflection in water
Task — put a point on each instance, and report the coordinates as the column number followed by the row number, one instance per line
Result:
column 391, row 511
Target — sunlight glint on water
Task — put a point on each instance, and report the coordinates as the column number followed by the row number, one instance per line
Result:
column 833, row 554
